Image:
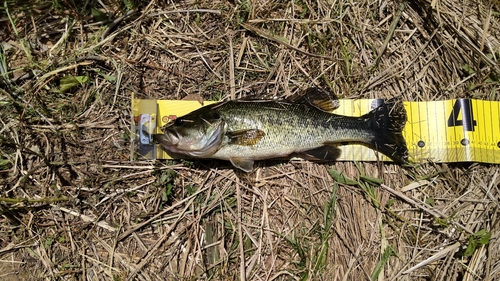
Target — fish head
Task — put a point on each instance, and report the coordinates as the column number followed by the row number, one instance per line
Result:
column 198, row 134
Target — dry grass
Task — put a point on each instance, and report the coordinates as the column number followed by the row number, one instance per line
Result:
column 75, row 207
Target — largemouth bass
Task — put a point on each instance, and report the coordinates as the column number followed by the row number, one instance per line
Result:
column 243, row 131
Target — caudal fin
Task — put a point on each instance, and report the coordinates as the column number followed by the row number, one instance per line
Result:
column 387, row 122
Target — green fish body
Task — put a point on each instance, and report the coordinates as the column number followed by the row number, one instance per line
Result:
column 243, row 131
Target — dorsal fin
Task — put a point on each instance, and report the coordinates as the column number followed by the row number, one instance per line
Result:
column 318, row 98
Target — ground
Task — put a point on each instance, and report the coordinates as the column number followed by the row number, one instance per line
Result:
column 78, row 203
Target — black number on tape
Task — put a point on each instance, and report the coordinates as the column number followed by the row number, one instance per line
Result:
column 468, row 122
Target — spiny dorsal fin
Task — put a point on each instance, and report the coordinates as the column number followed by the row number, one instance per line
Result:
column 318, row 98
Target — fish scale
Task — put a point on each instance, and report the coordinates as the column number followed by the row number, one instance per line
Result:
column 242, row 131
column 288, row 128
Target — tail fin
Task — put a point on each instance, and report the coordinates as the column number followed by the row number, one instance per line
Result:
column 388, row 121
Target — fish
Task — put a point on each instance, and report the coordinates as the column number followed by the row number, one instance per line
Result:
column 246, row 130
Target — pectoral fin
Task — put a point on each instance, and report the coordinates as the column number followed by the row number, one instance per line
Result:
column 245, row 137
column 245, row 164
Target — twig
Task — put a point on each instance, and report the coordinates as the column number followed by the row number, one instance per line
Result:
column 64, row 37
column 159, row 68
column 102, row 224
column 240, row 233
column 232, row 86
column 119, row 75
column 207, row 64
column 11, row 247
column 392, row 28
column 16, row 96
column 122, row 191
column 218, row 12
column 279, row 41
column 115, row 23
column 435, row 257
column 422, row 206
column 152, row 251
column 62, row 69
column 33, row 201
column 160, row 214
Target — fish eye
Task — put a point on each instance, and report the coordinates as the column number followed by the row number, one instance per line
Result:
column 178, row 122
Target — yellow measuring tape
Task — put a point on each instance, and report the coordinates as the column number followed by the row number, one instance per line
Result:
column 461, row 130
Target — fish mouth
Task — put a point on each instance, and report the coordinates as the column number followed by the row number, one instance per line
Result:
column 172, row 139
column 169, row 140
column 197, row 147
